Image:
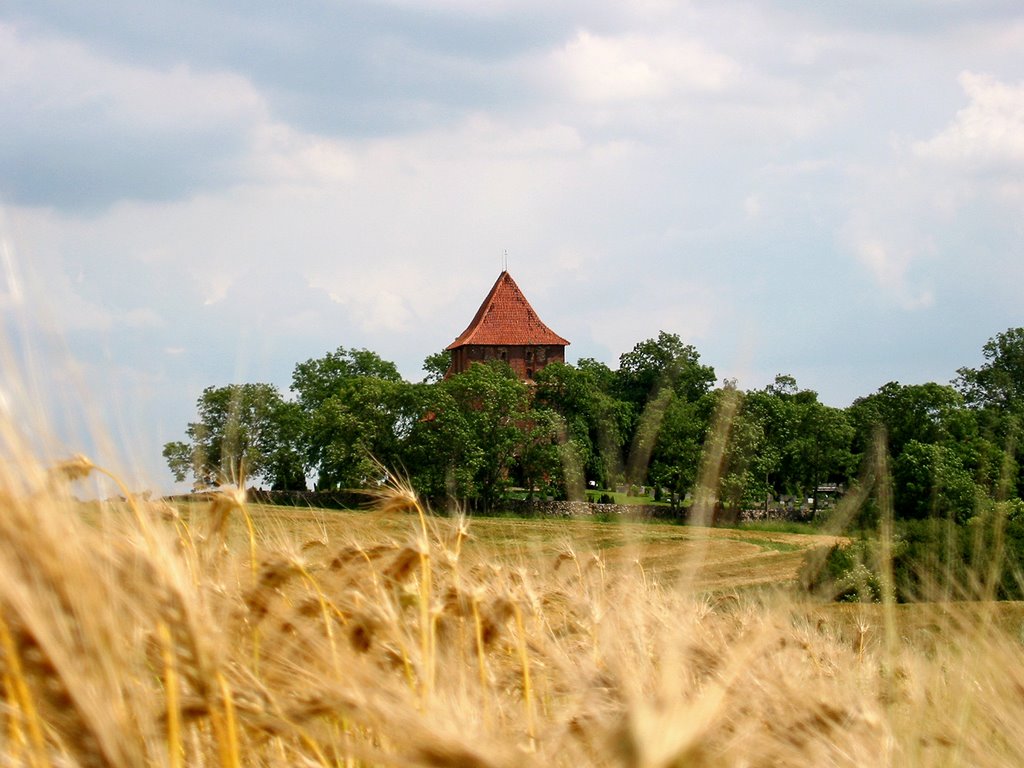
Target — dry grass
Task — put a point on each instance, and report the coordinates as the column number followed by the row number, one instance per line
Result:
column 134, row 635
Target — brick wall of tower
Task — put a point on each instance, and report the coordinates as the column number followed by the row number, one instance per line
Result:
column 525, row 360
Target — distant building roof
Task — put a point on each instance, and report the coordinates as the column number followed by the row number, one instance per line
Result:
column 506, row 318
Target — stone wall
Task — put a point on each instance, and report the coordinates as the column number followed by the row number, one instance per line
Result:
column 564, row 509
column 587, row 509
column 637, row 511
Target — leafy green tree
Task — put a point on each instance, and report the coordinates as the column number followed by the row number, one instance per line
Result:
column 803, row 444
column 318, row 379
column 932, row 424
column 820, row 450
column 470, row 434
column 676, row 454
column 594, row 420
column 776, row 411
column 439, row 454
column 930, row 480
column 739, row 485
column 999, row 382
column 923, row 412
column 651, row 378
column 243, row 431
column 357, row 411
column 663, row 362
column 357, row 431
column 995, row 394
column 547, row 458
column 436, row 366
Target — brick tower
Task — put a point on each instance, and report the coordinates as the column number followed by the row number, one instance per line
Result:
column 506, row 328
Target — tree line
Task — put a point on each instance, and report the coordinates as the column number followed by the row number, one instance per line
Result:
column 349, row 418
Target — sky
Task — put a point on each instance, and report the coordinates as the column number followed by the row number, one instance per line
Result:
column 200, row 193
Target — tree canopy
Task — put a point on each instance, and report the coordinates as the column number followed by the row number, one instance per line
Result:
column 471, row 437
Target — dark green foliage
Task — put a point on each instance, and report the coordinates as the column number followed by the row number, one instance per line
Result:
column 436, row 366
column 471, row 429
column 655, row 364
column 931, row 560
column 243, row 431
column 950, row 450
column 931, row 482
column 356, row 410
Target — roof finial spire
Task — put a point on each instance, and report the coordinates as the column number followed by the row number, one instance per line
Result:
column 504, row 261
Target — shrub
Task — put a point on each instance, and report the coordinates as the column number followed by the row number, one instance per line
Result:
column 930, row 559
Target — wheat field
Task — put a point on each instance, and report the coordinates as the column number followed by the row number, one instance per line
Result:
column 138, row 633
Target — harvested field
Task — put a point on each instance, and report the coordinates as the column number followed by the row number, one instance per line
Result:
column 732, row 559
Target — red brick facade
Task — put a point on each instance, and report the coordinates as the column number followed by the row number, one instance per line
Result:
column 507, row 328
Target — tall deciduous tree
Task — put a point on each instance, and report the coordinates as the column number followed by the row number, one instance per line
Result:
column 651, row 378
column 594, row 420
column 995, row 393
column 999, row 382
column 662, row 362
column 469, row 435
column 357, row 409
column 243, row 431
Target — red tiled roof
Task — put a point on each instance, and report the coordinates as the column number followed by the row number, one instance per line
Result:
column 506, row 317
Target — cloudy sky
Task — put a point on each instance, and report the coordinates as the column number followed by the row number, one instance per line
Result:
column 197, row 193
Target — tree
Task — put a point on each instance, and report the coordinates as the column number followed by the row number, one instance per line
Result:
column 923, row 412
column 544, row 455
column 663, row 362
column 318, row 379
column 999, row 382
column 356, row 430
column 469, row 435
column 357, row 410
column 594, row 421
column 676, row 452
column 436, row 366
column 651, row 377
column 995, row 394
column 930, row 480
column 931, row 430
column 243, row 431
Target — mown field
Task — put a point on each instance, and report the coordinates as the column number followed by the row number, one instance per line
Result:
column 665, row 553
column 717, row 564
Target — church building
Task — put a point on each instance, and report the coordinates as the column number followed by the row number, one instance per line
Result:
column 506, row 328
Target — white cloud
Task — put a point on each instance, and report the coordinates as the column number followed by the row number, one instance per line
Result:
column 53, row 76
column 214, row 287
column 373, row 299
column 890, row 269
column 609, row 70
column 93, row 129
column 688, row 308
column 281, row 153
column 988, row 134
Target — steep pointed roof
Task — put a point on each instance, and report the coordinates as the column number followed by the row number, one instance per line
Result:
column 506, row 318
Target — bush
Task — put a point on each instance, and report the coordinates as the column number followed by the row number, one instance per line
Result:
column 931, row 559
